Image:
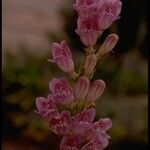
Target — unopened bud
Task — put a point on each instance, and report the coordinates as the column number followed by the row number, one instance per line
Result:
column 108, row 45
column 95, row 90
column 82, row 87
column 90, row 63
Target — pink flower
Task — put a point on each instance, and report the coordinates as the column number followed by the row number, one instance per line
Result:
column 108, row 11
column 103, row 124
column 62, row 92
column 95, row 91
column 82, row 87
column 88, row 30
column 45, row 107
column 62, row 57
column 70, row 142
column 60, row 124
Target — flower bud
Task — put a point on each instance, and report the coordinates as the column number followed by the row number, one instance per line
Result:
column 82, row 87
column 109, row 43
column 95, row 90
column 90, row 63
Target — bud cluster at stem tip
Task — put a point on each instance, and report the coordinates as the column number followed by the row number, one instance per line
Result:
column 70, row 109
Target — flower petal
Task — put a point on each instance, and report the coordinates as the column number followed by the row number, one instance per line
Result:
column 83, row 129
column 88, row 30
column 70, row 142
column 62, row 92
column 99, row 141
column 108, row 11
column 86, row 116
column 45, row 106
column 60, row 124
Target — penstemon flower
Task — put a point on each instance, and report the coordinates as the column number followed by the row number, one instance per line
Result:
column 70, row 109
column 108, row 12
column 61, row 91
column 94, row 16
column 62, row 57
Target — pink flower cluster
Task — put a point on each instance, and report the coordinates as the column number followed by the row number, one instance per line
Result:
column 78, row 131
column 70, row 109
column 94, row 17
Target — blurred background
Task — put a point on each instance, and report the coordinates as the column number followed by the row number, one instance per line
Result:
column 28, row 29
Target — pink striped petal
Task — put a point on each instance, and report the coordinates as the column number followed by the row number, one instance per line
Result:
column 60, row 124
column 83, row 129
column 108, row 45
column 99, row 141
column 86, row 11
column 93, row 145
column 45, row 106
column 82, row 87
column 88, row 30
column 95, row 90
column 62, row 92
column 86, row 116
column 108, row 11
column 62, row 57
column 90, row 63
column 70, row 142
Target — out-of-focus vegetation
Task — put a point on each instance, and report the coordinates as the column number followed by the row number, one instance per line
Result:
column 25, row 76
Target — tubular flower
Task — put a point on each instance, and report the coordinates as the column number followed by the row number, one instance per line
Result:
column 94, row 16
column 45, row 107
column 62, row 92
column 108, row 12
column 88, row 30
column 62, row 57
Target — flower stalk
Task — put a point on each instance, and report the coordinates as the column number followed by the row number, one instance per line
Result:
column 70, row 109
